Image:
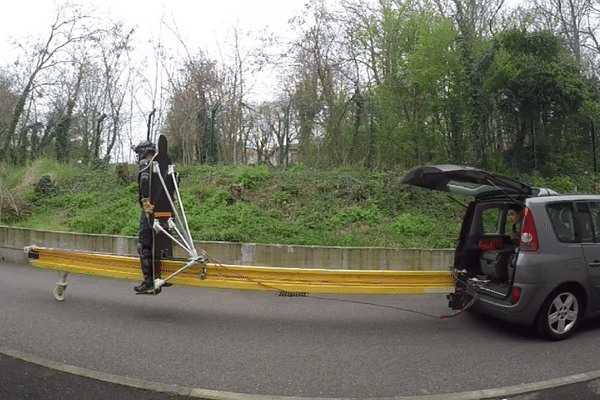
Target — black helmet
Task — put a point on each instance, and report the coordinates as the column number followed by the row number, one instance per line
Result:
column 144, row 148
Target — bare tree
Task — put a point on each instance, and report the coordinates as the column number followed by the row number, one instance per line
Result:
column 567, row 18
column 68, row 28
column 240, row 65
column 114, row 45
column 195, row 98
column 322, row 83
column 8, row 99
column 578, row 23
column 65, row 120
column 282, row 129
column 270, row 133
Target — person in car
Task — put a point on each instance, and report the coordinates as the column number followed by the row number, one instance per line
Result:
column 513, row 219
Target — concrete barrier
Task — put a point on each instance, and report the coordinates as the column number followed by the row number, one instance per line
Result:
column 13, row 240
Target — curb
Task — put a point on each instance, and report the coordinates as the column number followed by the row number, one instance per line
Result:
column 221, row 395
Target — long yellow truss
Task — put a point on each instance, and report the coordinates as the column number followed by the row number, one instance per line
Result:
column 249, row 277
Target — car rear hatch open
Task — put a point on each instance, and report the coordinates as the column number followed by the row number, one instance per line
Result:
column 469, row 253
column 466, row 181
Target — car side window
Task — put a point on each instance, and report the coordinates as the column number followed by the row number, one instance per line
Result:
column 561, row 217
column 595, row 216
column 490, row 219
column 585, row 222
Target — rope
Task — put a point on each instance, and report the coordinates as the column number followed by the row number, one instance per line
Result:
column 288, row 294
column 441, row 316
column 219, row 265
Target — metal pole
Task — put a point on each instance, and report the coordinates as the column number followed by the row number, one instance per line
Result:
column 149, row 125
column 594, row 144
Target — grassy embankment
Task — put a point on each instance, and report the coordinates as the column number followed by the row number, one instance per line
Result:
column 342, row 207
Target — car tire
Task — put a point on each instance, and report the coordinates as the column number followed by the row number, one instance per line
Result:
column 560, row 315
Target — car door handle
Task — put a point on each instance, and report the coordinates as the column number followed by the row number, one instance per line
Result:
column 594, row 264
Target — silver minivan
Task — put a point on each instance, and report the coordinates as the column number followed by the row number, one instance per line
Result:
column 528, row 255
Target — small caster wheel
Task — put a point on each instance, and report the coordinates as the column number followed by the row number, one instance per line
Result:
column 59, row 293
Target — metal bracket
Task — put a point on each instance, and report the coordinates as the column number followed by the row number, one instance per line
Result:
column 158, row 283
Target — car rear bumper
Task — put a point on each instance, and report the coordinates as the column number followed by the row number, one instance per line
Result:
column 523, row 312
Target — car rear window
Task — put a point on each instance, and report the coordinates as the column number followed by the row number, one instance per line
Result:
column 490, row 219
column 595, row 216
column 585, row 222
column 561, row 217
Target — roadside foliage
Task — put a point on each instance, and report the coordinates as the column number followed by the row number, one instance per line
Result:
column 362, row 91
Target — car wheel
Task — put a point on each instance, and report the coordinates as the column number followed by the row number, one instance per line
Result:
column 560, row 315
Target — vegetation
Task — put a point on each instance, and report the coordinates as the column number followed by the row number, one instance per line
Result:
column 341, row 207
column 376, row 85
column 365, row 91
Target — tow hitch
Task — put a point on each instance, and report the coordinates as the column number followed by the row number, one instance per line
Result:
column 457, row 300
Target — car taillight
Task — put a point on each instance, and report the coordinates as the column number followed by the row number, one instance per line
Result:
column 529, row 240
column 516, row 295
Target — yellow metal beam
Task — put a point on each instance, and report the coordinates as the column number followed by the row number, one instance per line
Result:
column 250, row 277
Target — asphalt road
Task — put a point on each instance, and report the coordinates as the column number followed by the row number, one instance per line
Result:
column 264, row 344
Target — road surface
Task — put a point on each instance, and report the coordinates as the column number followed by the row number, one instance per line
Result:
column 260, row 343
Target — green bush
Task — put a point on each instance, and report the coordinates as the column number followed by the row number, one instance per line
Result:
column 117, row 216
column 355, row 214
column 88, row 223
column 45, row 187
column 414, row 230
column 250, row 176
column 30, row 195
column 281, row 197
column 84, row 201
column 562, row 184
column 297, row 167
column 219, row 198
column 312, row 221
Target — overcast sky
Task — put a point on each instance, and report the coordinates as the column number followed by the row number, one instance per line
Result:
column 205, row 24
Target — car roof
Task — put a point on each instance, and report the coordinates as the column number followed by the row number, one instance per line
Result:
column 565, row 197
